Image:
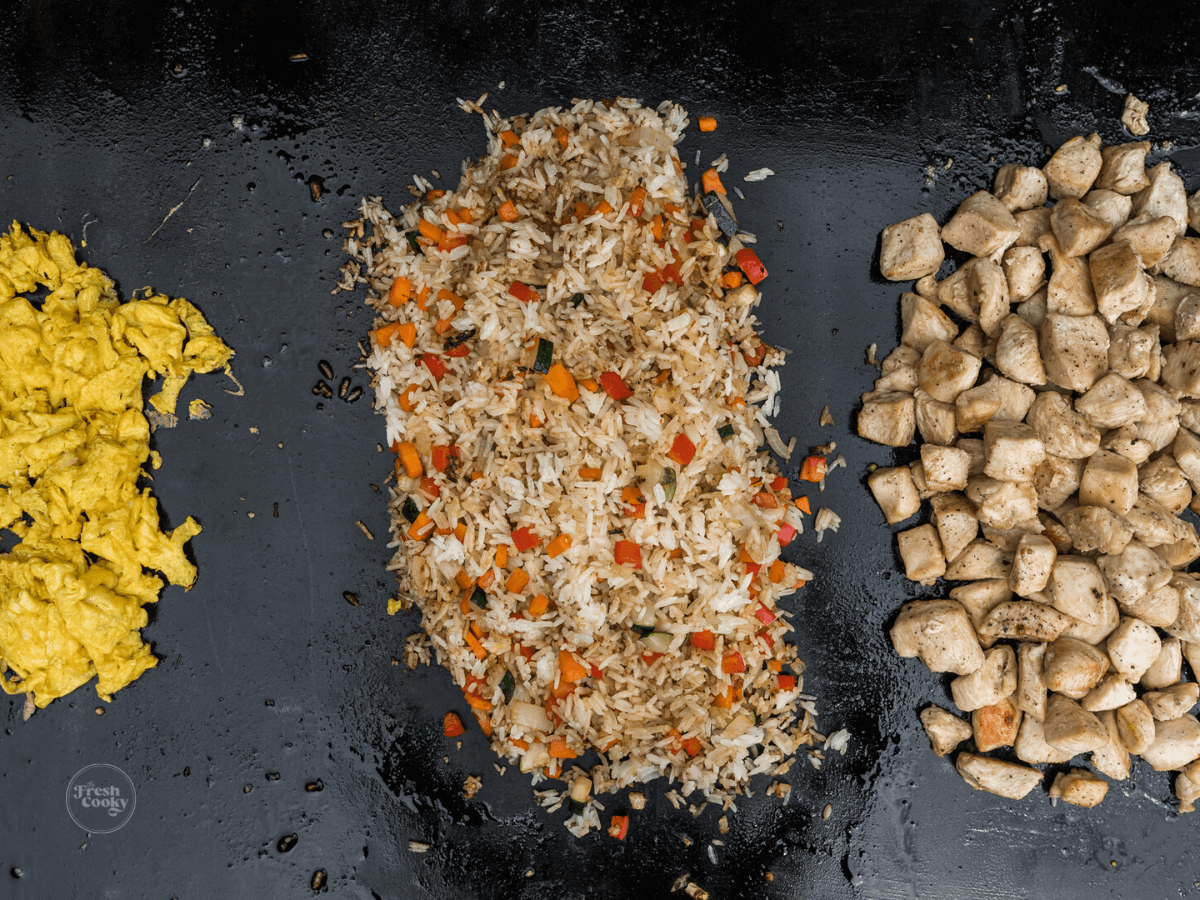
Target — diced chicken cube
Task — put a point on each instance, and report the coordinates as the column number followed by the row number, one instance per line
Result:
column 1163, row 482
column 990, row 683
column 1167, row 667
column 1135, row 727
column 1172, row 702
column 1133, row 115
column 923, row 323
column 954, row 517
column 899, row 371
column 1074, row 350
column 1167, row 295
column 997, row 776
column 1131, row 351
column 1110, row 206
column 979, row 598
column 1112, row 759
column 996, row 725
column 921, row 551
column 1007, row 539
column 1069, row 290
column 1030, row 696
column 1187, row 787
column 1076, row 587
column 1062, row 430
column 1159, row 608
column 974, row 407
column 1002, row 504
column 1133, row 647
column 935, row 420
column 1024, row 620
column 1125, row 442
column 1112, row 692
column 911, row 248
column 972, row 340
column 1095, row 633
column 1033, row 310
column 1118, row 280
column 1180, row 554
column 1176, row 743
column 1056, row 480
column 1032, row 564
column 1077, row 227
column 1151, row 238
column 1015, row 398
column 1182, row 261
column 945, row 467
column 1079, row 787
column 1096, row 528
column 1013, row 451
column 1181, row 369
column 1124, row 168
column 1109, row 481
column 945, row 730
column 981, row 226
column 1031, row 746
column 895, row 493
column 1187, row 318
column 1164, row 196
column 1073, row 168
column 887, row 417
column 1072, row 668
column 1071, row 728
column 1160, row 406
column 1133, row 574
column 1111, row 402
column 1017, row 354
column 1020, row 187
column 940, row 633
column 1025, row 270
column 1033, row 223
column 979, row 561
column 945, row 371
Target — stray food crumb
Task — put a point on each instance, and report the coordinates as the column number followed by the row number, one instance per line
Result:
column 1060, row 89
column 417, row 847
column 365, row 530
column 723, row 824
column 298, row 57
column 758, row 175
column 637, row 800
column 416, row 650
column 529, row 873
column 871, row 360
column 379, row 448
column 687, row 841
column 1133, row 116
column 350, row 597
column 827, row 811
column 198, row 409
column 250, row 515
column 472, row 786
column 161, row 420
column 281, row 445
column 395, row 662
column 780, row 789
column 31, row 707
column 770, row 875
column 826, row 417
column 696, row 892
column 499, row 768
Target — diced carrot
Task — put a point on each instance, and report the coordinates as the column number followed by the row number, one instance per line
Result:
column 707, row 123
column 517, row 581
column 671, row 208
column 460, row 532
column 407, row 452
column 711, row 181
column 478, row 703
column 582, row 210
column 508, row 162
column 562, row 382
column 476, row 647
column 502, row 556
column 535, row 421
column 463, row 579
column 486, row 579
column 602, row 207
column 560, row 750
column 787, row 682
column 406, row 401
column 663, row 377
column 507, row 211
column 656, row 227
column 423, row 299
column 509, row 138
column 421, row 527
column 704, row 640
column 627, row 553
column 589, row 384
column 485, row 723
column 431, row 231
column 441, row 326
column 588, row 473
column 432, row 195
column 466, row 216
column 731, row 280
column 776, row 571
column 452, row 217
column 558, row 546
column 802, row 505
column 517, row 742
column 725, row 698
column 683, row 451
column 637, row 201
column 524, row 539
column 614, row 385
column 385, row 334
column 538, row 606
column 452, row 298
column 631, row 494
column 452, row 725
column 400, row 292
column 692, row 746
column 733, row 663
column 407, row 334
column 570, row 667
column 561, row 135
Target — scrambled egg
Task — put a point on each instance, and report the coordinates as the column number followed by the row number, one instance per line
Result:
column 73, row 441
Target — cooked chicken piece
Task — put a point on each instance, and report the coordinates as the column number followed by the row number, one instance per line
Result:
column 1190, row 652
column 1033, row 310
column 922, row 554
column 1133, row 115
column 1130, row 351
column 1015, row 398
column 1111, row 402
column 1151, row 238
column 954, row 517
column 1193, row 207
column 1187, row 787
column 1024, row 620
column 953, row 292
column 1095, row 528
column 911, row 248
column 1160, row 406
column 918, row 477
column 923, row 323
column 1007, row 539
column 1163, row 482
column 1176, row 743
column 1025, row 270
column 988, row 289
column 1072, row 668
column 1186, row 626
column 1069, row 290
column 1172, row 702
column 995, row 725
column 1110, row 206
column 1013, row 451
column 1159, row 608
column 1179, row 554
column 1135, row 727
column 899, row 371
column 1187, row 455
column 1071, row 728
column 990, row 683
column 1030, row 696
column 1074, row 350
column 1078, row 228
column 1182, row 261
column 1031, row 746
column 975, row 407
column 972, row 340
column 1124, row 168
column 1133, row 647
column 1032, row 564
column 974, row 449
column 1017, row 354
column 1126, row 443
column 1110, row 482
column 1002, row 504
column 979, row 561
column 940, row 633
column 1095, row 633
column 996, row 776
column 1112, row 759
column 1062, row 430
column 1168, row 294
column 1112, row 692
column 1187, row 318
column 981, row 226
column 1164, row 196
column 887, row 417
column 927, row 287
column 1020, row 187
column 1073, row 168
column 945, row 371
column 1158, row 434
column 979, row 598
column 1056, row 480
column 1053, row 529
column 945, row 467
column 895, row 493
column 1033, row 224
column 1133, row 574
column 935, row 419
column 945, row 730
column 1118, row 280
column 1079, row 787
column 1167, row 667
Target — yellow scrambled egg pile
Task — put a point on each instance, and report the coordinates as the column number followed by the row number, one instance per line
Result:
column 73, row 441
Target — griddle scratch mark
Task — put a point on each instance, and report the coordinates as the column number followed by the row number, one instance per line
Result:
column 174, row 209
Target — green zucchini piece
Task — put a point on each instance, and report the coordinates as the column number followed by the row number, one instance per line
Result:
column 658, row 642
column 715, row 208
column 410, row 509
column 643, row 630
column 411, row 237
column 668, row 482
column 725, row 432
column 545, row 356
column 479, row 598
column 577, row 299
column 507, row 685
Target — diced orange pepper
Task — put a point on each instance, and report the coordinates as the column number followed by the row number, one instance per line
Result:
column 569, row 667
column 775, row 666
column 509, row 138
column 656, row 227
column 637, row 201
column 581, row 210
column 385, row 334
column 704, row 640
column 441, row 326
column 707, row 123
column 463, row 579
column 421, row 527
column 508, row 162
column 731, row 280
column 725, row 698
column 432, row 195
column 802, row 505
column 561, row 135
column 776, row 572
column 538, row 606
column 502, row 556
column 764, row 500
column 473, row 643
column 535, row 421
column 486, row 579
column 562, row 383
column 602, row 207
column 452, row 298
column 460, row 532
column 692, row 746
column 406, row 401
column 478, row 703
column 423, row 299
column 677, row 553
column 558, row 546
column 517, row 742
column 588, row 473
column 466, row 216
column 507, row 211
column 485, row 723
column 560, row 750
column 589, row 384
column 407, row 452
column 431, row 231
column 517, row 581
column 400, row 292
column 711, row 181
column 452, row 217
column 407, row 334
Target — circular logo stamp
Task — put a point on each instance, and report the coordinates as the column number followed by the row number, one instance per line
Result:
column 100, row 798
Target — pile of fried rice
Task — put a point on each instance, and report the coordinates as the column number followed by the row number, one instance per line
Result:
column 577, row 398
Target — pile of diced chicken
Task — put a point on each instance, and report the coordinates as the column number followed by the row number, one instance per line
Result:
column 1054, row 380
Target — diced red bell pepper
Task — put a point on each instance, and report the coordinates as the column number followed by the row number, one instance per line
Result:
column 763, row 500
column 704, row 640
column 459, row 352
column 693, row 746
column 525, row 651
column 619, row 827
column 636, row 511
column 449, row 242
column 733, row 663
column 787, row 682
column 651, row 658
column 651, row 283
column 753, row 568
column 670, row 272
column 764, row 615
column 614, row 385
column 429, row 488
column 436, row 367
column 441, row 458
column 786, row 533
column 749, row 263
column 766, row 638
column 627, row 553
column 755, row 356
column 452, row 725
column 524, row 539
column 779, row 483
column 594, row 670
column 522, row 292
column 813, row 468
column 683, row 451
